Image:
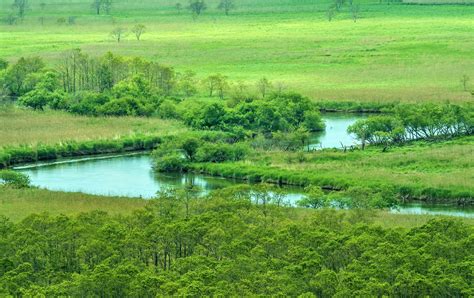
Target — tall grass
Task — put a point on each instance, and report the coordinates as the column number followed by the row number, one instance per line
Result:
column 24, row 127
column 17, row 204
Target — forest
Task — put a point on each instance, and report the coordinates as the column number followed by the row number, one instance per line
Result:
column 236, row 148
column 227, row 244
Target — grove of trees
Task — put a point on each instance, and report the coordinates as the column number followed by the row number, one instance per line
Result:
column 232, row 243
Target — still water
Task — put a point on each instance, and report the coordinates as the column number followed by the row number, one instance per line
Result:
column 335, row 135
column 133, row 176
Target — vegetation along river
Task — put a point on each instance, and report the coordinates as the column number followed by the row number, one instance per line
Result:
column 133, row 176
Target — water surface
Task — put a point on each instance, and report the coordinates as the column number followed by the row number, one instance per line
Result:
column 335, row 135
column 133, row 176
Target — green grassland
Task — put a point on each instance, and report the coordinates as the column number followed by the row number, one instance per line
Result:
column 17, row 204
column 26, row 127
column 393, row 52
column 432, row 171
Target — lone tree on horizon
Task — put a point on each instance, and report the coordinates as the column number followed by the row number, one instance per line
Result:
column 197, row 7
column 138, row 30
column 21, row 6
column 118, row 33
column 99, row 4
column 226, row 6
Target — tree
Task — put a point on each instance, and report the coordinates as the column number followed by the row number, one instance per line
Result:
column 330, row 13
column 97, row 5
column 187, row 83
column 21, row 6
column 215, row 82
column 118, row 33
column 179, row 7
column 15, row 78
column 226, row 6
column 3, row 64
column 138, row 30
column 355, row 12
column 197, row 7
column 263, row 85
column 107, row 5
column 464, row 82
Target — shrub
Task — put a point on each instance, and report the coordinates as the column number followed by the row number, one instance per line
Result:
column 171, row 162
column 14, row 179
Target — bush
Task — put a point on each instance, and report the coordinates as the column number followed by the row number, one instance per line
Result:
column 14, row 179
column 221, row 152
column 171, row 162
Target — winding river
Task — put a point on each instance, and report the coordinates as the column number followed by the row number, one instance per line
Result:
column 132, row 175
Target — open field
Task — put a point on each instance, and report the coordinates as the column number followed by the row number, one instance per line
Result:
column 25, row 127
column 17, row 204
column 393, row 53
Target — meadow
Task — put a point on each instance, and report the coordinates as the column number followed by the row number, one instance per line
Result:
column 17, row 204
column 25, row 127
column 424, row 170
column 394, row 52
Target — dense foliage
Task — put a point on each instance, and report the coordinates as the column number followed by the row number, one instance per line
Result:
column 228, row 245
column 175, row 154
column 113, row 85
column 415, row 122
column 279, row 112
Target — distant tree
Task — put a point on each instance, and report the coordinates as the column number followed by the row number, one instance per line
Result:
column 464, row 81
column 197, row 7
column 330, row 13
column 263, row 85
column 107, row 5
column 187, row 83
column 97, row 5
column 10, row 19
column 41, row 18
column 355, row 12
column 138, row 30
column 216, row 82
column 61, row 21
column 118, row 33
column 226, row 6
column 179, row 7
column 21, row 6
column 71, row 20
column 338, row 4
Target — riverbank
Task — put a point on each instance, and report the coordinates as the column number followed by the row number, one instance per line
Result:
column 420, row 171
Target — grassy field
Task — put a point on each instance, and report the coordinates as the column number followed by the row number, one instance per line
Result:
column 443, row 171
column 393, row 53
column 17, row 204
column 20, row 127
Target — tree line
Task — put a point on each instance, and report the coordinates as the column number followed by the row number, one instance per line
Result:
column 232, row 243
column 426, row 121
column 114, row 85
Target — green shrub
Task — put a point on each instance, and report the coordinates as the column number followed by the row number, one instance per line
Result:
column 14, row 179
